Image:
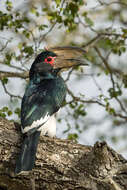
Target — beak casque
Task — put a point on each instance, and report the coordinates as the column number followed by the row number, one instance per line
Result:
column 68, row 56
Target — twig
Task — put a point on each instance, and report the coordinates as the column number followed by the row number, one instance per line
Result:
column 12, row 66
column 111, row 76
column 69, row 74
column 106, row 65
column 78, row 99
column 7, row 42
column 7, row 92
column 97, row 85
column 114, row 2
column 93, row 40
column 44, row 35
column 22, row 75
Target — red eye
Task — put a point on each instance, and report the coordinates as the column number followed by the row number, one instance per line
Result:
column 50, row 60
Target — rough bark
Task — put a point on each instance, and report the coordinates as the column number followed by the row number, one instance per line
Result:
column 60, row 164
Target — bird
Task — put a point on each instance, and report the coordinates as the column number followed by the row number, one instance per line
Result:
column 43, row 97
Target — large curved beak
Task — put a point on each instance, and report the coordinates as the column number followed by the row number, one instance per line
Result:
column 68, row 56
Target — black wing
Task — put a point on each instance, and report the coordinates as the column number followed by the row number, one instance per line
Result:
column 42, row 100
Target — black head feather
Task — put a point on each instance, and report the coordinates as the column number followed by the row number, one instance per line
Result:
column 39, row 65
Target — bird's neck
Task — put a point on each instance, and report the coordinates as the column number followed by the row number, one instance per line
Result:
column 38, row 77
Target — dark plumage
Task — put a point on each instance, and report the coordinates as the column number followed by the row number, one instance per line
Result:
column 43, row 97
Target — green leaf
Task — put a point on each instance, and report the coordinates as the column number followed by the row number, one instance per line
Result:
column 89, row 21
column 26, row 33
column 9, row 5
column 5, row 109
column 114, row 93
column 8, row 58
column 73, row 136
column 20, row 45
column 33, row 10
column 9, row 112
column 79, row 111
column 5, row 80
column 2, row 114
column 28, row 50
column 124, row 80
column 57, row 2
column 42, row 26
column 17, row 111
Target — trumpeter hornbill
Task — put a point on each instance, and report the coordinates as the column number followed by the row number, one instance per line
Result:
column 43, row 97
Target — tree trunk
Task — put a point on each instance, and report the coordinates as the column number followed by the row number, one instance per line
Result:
column 60, row 164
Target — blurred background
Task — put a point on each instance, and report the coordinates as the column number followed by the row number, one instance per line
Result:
column 96, row 103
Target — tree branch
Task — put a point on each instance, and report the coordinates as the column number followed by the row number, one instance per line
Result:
column 61, row 164
column 12, row 66
column 22, row 75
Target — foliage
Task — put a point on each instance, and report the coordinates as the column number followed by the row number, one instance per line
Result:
column 97, row 26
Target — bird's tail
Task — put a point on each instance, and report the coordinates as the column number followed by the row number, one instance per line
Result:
column 26, row 158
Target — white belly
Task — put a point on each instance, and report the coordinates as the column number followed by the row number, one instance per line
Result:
column 49, row 128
